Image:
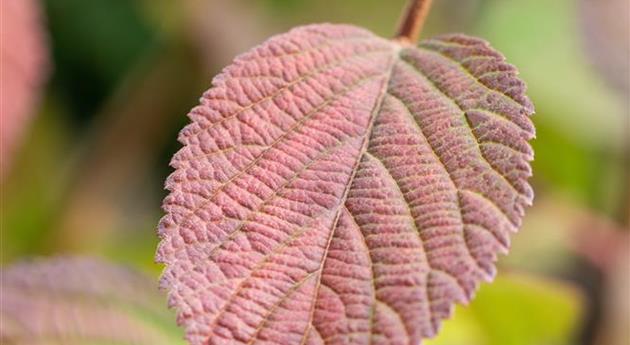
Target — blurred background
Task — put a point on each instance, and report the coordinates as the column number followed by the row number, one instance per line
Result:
column 109, row 83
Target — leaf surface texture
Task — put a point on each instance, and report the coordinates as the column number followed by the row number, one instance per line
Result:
column 335, row 187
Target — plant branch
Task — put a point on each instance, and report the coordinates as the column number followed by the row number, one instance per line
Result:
column 412, row 20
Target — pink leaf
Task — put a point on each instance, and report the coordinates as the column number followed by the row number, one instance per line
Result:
column 80, row 301
column 23, row 63
column 339, row 188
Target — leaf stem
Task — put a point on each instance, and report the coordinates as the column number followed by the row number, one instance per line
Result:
column 412, row 20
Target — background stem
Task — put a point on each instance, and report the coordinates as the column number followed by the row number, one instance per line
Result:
column 412, row 20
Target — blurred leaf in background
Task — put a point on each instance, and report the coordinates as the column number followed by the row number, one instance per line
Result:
column 516, row 310
column 73, row 300
column 25, row 65
column 94, row 44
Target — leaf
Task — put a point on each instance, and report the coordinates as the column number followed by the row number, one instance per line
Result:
column 24, row 63
column 80, row 301
column 336, row 187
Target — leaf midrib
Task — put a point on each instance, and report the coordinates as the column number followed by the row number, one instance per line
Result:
column 364, row 146
column 377, row 107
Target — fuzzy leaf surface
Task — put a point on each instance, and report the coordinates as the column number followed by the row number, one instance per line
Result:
column 63, row 301
column 338, row 188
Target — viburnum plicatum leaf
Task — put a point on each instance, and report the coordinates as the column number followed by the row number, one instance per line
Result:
column 23, row 61
column 338, row 188
column 80, row 301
